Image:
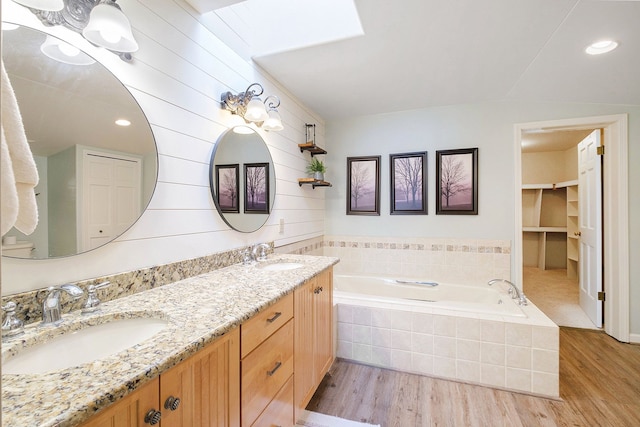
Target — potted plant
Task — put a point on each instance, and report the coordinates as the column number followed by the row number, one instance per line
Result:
column 317, row 169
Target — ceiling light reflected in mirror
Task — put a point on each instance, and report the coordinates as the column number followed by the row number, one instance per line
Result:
column 600, row 47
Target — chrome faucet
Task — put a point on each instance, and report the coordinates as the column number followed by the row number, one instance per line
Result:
column 513, row 291
column 51, row 310
column 260, row 251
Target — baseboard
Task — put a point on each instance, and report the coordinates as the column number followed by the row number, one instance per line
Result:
column 634, row 338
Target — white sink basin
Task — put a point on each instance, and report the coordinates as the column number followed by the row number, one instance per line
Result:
column 279, row 266
column 83, row 346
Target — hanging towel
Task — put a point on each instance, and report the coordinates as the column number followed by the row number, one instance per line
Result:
column 19, row 174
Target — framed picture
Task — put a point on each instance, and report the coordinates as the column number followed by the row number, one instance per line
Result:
column 457, row 173
column 408, row 183
column 227, row 190
column 363, row 185
column 256, row 188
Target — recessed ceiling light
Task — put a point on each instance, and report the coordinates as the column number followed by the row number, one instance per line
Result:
column 600, row 47
column 123, row 122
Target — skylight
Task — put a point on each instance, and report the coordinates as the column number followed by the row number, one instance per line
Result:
column 272, row 26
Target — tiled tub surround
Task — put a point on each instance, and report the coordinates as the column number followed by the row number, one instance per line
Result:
column 515, row 353
column 199, row 309
column 466, row 261
column 125, row 284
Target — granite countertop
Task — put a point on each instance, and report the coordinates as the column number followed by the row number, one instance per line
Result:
column 198, row 310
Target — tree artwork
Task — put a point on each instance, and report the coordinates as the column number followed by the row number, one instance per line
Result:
column 454, row 178
column 363, row 186
column 458, row 181
column 256, row 178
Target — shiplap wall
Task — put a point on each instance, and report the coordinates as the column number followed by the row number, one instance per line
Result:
column 177, row 77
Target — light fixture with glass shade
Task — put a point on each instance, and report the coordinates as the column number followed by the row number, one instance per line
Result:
column 252, row 109
column 61, row 51
column 101, row 22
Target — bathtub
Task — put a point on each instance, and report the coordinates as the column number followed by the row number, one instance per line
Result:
column 431, row 294
column 470, row 333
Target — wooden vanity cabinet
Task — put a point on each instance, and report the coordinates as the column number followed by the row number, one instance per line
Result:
column 131, row 410
column 206, row 384
column 313, row 316
column 267, row 366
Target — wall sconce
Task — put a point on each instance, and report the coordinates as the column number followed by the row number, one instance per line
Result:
column 61, row 51
column 101, row 22
column 250, row 107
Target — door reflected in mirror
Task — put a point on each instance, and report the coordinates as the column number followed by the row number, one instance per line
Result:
column 96, row 177
column 242, row 180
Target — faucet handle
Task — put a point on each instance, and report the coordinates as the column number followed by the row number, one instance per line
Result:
column 93, row 302
column 11, row 326
column 247, row 257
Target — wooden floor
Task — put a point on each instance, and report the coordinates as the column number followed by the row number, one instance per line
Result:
column 599, row 386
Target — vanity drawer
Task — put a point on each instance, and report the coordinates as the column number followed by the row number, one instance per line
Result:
column 265, row 371
column 280, row 411
column 262, row 325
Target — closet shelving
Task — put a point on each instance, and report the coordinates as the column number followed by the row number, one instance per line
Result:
column 549, row 221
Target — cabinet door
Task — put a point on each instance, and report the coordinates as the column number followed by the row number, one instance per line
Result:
column 207, row 385
column 303, row 345
column 323, row 326
column 130, row 410
column 217, row 383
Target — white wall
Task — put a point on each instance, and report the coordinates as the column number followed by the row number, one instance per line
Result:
column 177, row 77
column 489, row 127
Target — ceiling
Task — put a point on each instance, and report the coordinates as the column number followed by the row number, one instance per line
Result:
column 425, row 53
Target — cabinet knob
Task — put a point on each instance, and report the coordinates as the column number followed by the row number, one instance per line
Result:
column 152, row 417
column 172, row 403
column 577, row 233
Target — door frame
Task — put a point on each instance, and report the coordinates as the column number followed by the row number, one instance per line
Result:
column 615, row 174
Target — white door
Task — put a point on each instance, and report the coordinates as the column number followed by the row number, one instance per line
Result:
column 111, row 197
column 590, row 220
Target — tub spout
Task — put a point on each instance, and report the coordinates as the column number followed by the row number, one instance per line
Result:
column 513, row 291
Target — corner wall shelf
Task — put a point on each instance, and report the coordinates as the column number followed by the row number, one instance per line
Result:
column 314, row 183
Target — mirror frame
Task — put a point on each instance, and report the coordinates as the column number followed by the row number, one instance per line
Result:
column 241, row 165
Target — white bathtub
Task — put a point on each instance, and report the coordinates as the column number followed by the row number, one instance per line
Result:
column 475, row 299
column 470, row 333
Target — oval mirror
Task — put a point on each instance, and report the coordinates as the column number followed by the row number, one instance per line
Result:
column 96, row 177
column 242, row 179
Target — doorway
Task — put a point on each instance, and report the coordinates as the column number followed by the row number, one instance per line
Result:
column 552, row 259
column 615, row 211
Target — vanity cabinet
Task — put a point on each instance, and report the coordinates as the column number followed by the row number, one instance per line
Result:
column 267, row 366
column 313, row 316
column 206, row 384
column 131, row 410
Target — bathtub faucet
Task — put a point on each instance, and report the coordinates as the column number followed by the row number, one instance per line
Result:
column 513, row 291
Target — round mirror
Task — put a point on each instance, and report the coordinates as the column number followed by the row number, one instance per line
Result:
column 242, row 179
column 96, row 177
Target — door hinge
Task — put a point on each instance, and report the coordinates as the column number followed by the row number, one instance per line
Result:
column 600, row 150
column 600, row 296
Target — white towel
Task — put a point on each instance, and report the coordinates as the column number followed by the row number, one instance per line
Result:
column 19, row 174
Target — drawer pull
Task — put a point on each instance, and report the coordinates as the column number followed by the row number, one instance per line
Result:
column 275, row 368
column 172, row 403
column 152, row 417
column 275, row 316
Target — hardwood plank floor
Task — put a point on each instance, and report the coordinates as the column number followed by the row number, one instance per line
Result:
column 599, row 386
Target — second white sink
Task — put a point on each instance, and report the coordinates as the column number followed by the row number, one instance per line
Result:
column 83, row 346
